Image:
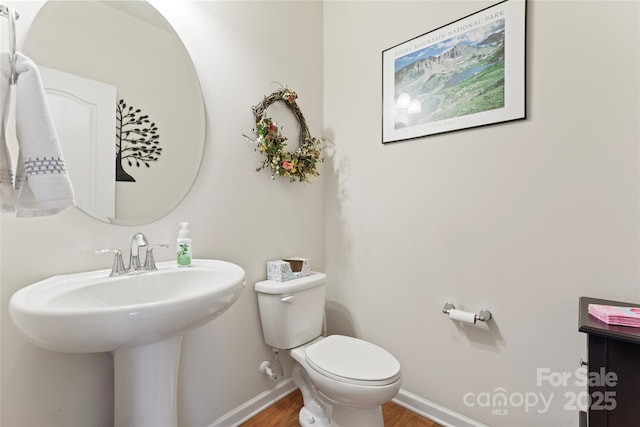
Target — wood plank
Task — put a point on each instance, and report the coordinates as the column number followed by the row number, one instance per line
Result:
column 284, row 413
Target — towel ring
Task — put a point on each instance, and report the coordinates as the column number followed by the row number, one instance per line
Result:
column 12, row 15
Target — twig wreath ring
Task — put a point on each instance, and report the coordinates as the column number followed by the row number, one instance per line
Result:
column 299, row 165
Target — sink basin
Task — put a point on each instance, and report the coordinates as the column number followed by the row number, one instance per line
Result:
column 92, row 312
column 139, row 317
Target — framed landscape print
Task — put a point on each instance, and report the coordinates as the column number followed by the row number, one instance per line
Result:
column 465, row 74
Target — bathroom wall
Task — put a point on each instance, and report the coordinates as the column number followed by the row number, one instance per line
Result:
column 520, row 218
column 239, row 49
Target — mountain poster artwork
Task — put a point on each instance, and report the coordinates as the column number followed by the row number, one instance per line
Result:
column 465, row 74
column 459, row 76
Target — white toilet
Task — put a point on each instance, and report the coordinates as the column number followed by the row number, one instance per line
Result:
column 344, row 380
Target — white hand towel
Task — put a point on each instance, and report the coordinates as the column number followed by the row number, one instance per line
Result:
column 42, row 185
column 6, row 172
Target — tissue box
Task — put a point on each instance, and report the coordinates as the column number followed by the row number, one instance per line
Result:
column 288, row 269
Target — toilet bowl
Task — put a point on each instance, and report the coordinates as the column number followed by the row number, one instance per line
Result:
column 352, row 376
column 343, row 380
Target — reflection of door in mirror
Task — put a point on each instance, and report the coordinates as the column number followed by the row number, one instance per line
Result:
column 84, row 114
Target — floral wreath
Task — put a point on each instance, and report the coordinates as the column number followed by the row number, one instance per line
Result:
column 299, row 165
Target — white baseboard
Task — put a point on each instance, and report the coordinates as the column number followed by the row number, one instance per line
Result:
column 441, row 415
column 250, row 408
column 408, row 400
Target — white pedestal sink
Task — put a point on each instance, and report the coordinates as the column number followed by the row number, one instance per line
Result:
column 138, row 317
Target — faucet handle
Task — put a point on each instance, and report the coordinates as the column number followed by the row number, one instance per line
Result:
column 149, row 262
column 118, row 265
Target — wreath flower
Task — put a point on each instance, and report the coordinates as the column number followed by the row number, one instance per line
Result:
column 300, row 165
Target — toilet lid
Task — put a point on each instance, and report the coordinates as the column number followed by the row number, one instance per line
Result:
column 352, row 359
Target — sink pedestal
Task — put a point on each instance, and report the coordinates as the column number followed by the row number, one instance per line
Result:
column 146, row 383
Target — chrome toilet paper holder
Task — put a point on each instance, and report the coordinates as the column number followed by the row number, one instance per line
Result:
column 482, row 316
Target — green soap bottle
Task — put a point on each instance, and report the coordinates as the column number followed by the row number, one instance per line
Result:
column 184, row 245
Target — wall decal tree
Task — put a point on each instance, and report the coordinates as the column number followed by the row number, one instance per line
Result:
column 137, row 140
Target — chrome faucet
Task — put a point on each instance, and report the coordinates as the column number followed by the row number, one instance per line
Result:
column 137, row 241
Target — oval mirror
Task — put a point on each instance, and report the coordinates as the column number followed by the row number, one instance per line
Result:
column 127, row 104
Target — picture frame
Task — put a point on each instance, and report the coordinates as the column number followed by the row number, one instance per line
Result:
column 465, row 74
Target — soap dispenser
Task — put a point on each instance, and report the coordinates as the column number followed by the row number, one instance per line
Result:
column 184, row 245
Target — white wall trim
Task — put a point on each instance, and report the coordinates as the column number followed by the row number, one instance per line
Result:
column 433, row 411
column 250, row 408
column 408, row 400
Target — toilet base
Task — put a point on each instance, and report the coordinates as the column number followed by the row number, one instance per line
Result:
column 307, row 419
column 345, row 416
column 315, row 412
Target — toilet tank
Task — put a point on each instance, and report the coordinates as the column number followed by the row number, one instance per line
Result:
column 292, row 312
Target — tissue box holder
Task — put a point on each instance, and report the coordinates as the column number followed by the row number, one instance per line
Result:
column 288, row 269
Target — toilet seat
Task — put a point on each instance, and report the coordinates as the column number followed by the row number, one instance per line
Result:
column 352, row 360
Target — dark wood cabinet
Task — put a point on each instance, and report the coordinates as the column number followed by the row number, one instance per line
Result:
column 611, row 350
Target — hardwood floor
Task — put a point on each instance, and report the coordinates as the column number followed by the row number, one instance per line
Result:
column 284, row 413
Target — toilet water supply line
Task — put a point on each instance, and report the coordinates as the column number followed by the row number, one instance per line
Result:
column 265, row 367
